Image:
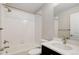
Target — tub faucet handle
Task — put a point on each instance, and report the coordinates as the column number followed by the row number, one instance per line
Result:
column 6, row 47
column 5, row 41
column 1, row 49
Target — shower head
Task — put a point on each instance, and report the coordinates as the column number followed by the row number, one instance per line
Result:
column 9, row 10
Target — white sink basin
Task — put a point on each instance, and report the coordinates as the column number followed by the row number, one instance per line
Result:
column 62, row 46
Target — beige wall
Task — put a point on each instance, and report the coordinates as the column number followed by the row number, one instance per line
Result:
column 47, row 22
column 64, row 21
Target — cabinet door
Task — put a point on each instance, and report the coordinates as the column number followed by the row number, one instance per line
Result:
column 47, row 51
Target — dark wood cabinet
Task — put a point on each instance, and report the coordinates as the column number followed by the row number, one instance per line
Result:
column 47, row 51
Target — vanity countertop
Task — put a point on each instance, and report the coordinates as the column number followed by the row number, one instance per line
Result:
column 57, row 46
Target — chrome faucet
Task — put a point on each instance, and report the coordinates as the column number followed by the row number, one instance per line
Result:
column 6, row 47
column 65, row 39
column 2, row 49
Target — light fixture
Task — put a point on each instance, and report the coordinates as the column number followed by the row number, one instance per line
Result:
column 25, row 21
column 55, row 4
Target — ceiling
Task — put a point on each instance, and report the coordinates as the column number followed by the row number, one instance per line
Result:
column 63, row 7
column 28, row 7
column 34, row 7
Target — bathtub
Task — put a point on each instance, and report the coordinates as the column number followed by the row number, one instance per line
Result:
column 20, row 52
column 26, row 52
column 23, row 51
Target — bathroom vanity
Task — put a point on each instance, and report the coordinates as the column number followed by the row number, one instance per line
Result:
column 56, row 47
column 48, row 51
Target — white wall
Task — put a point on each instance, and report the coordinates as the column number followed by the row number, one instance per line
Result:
column 38, row 29
column 21, row 36
column 56, row 27
column 47, row 22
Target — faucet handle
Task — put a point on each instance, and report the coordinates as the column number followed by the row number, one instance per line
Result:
column 6, row 47
column 1, row 49
column 5, row 41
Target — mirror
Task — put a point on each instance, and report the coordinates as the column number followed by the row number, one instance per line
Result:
column 68, row 20
column 74, row 26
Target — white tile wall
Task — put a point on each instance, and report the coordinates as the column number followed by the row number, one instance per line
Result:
column 19, row 30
